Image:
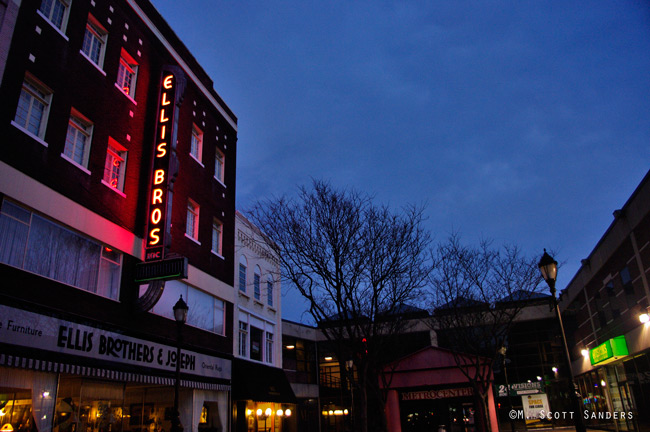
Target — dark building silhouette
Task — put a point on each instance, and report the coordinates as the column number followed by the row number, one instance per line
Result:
column 606, row 303
column 116, row 150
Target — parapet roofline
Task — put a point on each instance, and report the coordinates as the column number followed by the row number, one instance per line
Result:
column 642, row 188
column 211, row 94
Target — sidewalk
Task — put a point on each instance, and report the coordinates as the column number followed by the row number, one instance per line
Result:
column 557, row 429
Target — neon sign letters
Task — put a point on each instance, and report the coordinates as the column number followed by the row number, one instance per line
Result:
column 159, row 196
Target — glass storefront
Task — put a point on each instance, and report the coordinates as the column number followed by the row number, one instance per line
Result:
column 269, row 417
column 35, row 401
column 615, row 395
column 16, row 410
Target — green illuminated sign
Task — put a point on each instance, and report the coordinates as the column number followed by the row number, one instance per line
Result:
column 609, row 351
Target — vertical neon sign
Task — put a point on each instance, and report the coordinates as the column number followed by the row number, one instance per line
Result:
column 165, row 166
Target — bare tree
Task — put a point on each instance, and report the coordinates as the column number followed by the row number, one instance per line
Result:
column 477, row 293
column 356, row 263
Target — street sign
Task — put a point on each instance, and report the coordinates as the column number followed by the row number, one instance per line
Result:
column 520, row 389
column 167, row 269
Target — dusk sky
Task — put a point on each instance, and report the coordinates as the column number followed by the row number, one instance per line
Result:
column 524, row 122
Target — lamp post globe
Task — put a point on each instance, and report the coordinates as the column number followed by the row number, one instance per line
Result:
column 180, row 311
column 180, row 315
column 548, row 268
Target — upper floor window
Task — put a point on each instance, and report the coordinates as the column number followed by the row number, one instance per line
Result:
column 109, row 272
column 256, row 343
column 56, row 12
column 242, row 273
column 243, row 339
column 196, row 143
column 218, row 165
column 256, row 283
column 44, row 247
column 94, row 42
column 205, row 310
column 115, row 165
column 33, row 107
column 269, row 290
column 192, row 227
column 127, row 74
column 217, row 232
column 269, row 347
column 78, row 138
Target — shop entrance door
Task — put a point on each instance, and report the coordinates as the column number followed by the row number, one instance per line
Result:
column 440, row 415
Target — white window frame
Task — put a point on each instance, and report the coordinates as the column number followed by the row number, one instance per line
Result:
column 268, row 347
column 115, row 152
column 243, row 339
column 94, row 34
column 192, row 221
column 269, row 290
column 78, row 125
column 219, row 165
column 49, row 15
column 196, row 143
column 36, row 92
column 257, row 281
column 128, row 67
column 217, row 236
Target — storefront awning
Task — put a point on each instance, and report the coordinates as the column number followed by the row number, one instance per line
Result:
column 102, row 373
column 260, row 383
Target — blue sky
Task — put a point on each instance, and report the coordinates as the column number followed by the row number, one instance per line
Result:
column 525, row 122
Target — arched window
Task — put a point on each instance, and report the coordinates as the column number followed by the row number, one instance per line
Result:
column 257, row 276
column 269, row 290
column 242, row 273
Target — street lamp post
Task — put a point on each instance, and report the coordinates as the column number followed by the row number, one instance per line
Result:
column 349, row 365
column 502, row 351
column 548, row 267
column 180, row 314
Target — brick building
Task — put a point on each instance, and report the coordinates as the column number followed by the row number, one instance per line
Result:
column 606, row 304
column 117, row 149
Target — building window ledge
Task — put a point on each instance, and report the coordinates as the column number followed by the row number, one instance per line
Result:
column 81, row 167
column 25, row 131
column 193, row 239
column 58, row 30
column 93, row 63
column 197, row 161
column 117, row 191
column 127, row 96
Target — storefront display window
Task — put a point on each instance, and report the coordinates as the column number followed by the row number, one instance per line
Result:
column 26, row 400
column 617, row 388
column 268, row 416
column 16, row 410
column 85, row 405
column 594, row 398
column 638, row 380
